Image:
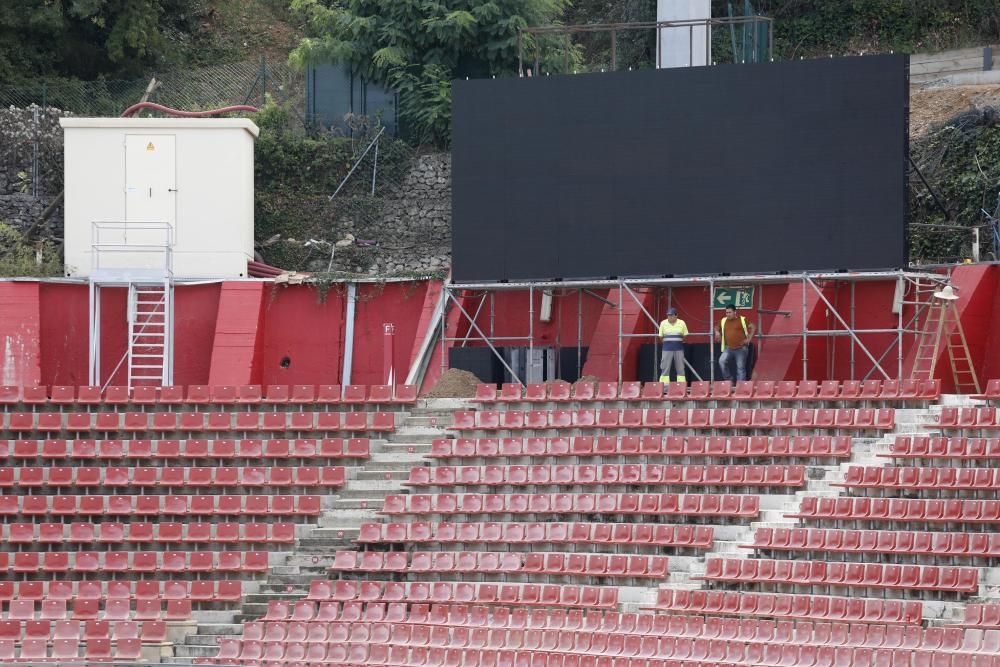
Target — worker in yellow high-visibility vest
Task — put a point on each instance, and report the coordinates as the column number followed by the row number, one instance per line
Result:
column 672, row 332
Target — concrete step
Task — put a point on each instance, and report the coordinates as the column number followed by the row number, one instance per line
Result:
column 185, row 651
column 384, row 474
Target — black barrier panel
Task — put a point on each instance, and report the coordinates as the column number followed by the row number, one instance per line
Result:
column 728, row 169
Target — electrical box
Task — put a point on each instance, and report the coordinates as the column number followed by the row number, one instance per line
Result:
column 145, row 195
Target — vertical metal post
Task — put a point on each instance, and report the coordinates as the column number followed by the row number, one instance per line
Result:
column 520, row 54
column 445, row 293
column 711, row 329
column 708, row 42
column 691, row 45
column 659, row 48
column 569, row 46
column 263, row 80
column 853, row 324
column 168, row 364
column 579, row 333
column 805, row 332
column 92, row 378
column 621, row 325
column 531, row 319
column 899, row 333
column 352, row 299
column 614, row 50
column 493, row 302
column 375, row 167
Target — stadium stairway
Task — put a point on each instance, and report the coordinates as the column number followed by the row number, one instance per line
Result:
column 357, row 502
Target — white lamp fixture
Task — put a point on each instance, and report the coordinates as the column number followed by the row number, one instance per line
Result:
column 946, row 294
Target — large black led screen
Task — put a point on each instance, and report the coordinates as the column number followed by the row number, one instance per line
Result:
column 705, row 170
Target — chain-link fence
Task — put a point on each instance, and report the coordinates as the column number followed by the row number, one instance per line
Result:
column 188, row 89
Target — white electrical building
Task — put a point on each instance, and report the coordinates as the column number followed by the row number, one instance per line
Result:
column 137, row 185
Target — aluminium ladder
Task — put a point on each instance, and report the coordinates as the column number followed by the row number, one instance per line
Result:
column 943, row 329
column 150, row 325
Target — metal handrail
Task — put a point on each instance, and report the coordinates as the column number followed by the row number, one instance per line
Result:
column 99, row 247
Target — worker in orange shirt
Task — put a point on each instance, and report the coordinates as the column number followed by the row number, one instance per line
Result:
column 735, row 334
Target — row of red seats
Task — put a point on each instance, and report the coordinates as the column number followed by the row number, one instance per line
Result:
column 274, row 448
column 921, row 478
column 952, row 417
column 653, row 534
column 597, row 651
column 899, row 509
column 11, row 505
column 507, row 562
column 823, row 573
column 148, row 631
column 790, row 606
column 206, row 395
column 64, row 651
column 992, row 391
column 968, row 545
column 81, row 532
column 585, row 475
column 113, row 610
column 164, row 422
column 749, row 390
column 458, row 625
column 142, row 591
column 652, row 504
column 676, row 418
column 547, row 595
column 169, row 476
column 937, row 447
column 982, row 616
column 80, row 562
column 945, row 640
column 737, row 446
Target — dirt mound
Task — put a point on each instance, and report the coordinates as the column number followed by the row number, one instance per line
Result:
column 932, row 106
column 587, row 379
column 455, row 383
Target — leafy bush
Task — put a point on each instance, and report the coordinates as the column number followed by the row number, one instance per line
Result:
column 20, row 258
column 961, row 161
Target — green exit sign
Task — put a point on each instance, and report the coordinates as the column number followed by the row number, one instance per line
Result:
column 739, row 297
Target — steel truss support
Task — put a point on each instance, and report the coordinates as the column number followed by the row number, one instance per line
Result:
column 809, row 282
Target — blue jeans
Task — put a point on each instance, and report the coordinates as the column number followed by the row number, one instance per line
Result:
column 740, row 355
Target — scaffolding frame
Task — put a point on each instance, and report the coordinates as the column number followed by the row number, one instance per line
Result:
column 921, row 282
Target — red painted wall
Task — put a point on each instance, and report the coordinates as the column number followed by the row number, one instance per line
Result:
column 310, row 333
column 64, row 333
column 195, row 310
column 399, row 304
column 20, row 347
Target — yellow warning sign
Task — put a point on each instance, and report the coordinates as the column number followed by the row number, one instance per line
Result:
column 150, row 147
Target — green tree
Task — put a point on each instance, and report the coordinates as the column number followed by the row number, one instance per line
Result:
column 87, row 38
column 418, row 46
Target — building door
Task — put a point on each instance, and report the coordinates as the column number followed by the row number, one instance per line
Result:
column 150, row 186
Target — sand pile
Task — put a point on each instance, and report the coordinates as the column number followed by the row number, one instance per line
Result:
column 455, row 383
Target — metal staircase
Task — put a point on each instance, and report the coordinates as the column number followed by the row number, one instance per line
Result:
column 142, row 264
column 150, row 324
